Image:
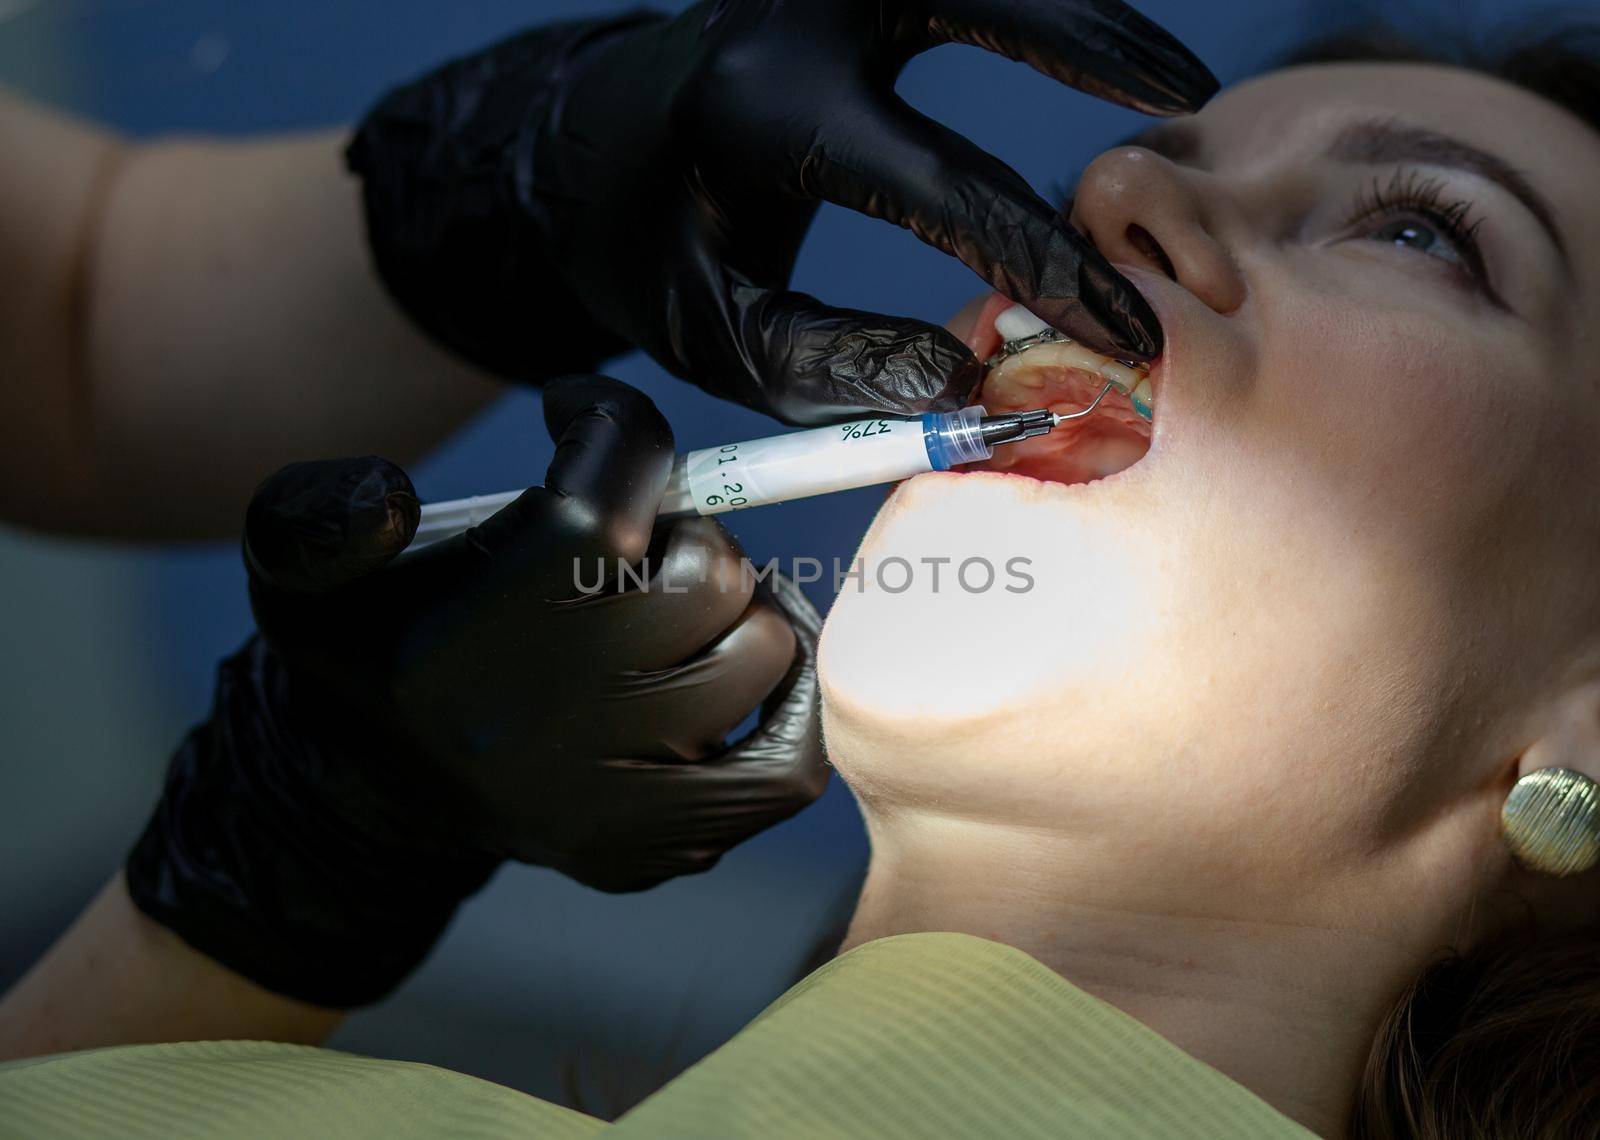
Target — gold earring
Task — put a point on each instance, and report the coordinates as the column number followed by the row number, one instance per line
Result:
column 1551, row 821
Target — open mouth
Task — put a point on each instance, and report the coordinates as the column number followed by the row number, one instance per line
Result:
column 1066, row 378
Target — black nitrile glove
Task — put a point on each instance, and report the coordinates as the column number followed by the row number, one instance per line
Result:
column 648, row 181
column 396, row 730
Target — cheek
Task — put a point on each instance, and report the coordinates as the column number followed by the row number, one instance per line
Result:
column 1411, row 427
column 1418, row 449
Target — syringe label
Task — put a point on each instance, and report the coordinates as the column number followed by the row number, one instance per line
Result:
column 718, row 482
column 813, row 462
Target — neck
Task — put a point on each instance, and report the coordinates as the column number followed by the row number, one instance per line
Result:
column 1283, row 1006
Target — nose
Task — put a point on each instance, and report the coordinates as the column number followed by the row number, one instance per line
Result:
column 1141, row 209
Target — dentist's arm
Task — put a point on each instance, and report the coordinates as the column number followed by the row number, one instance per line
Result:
column 399, row 728
column 118, row 977
column 178, row 317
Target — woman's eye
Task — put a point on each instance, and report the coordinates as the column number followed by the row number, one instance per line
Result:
column 1414, row 211
column 1413, row 234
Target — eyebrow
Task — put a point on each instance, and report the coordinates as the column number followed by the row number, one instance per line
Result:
column 1383, row 141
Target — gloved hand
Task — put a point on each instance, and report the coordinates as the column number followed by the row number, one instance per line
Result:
column 648, row 181
column 398, row 729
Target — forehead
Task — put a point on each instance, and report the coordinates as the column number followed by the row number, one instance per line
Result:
column 1288, row 116
column 1294, row 102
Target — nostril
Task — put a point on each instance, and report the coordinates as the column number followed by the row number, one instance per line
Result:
column 1144, row 241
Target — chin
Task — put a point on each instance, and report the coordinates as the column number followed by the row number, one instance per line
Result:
column 975, row 588
column 990, row 602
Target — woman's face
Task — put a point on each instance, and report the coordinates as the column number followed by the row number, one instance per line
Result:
column 1359, row 557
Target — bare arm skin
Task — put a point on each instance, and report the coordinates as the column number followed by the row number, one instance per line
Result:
column 117, row 977
column 179, row 319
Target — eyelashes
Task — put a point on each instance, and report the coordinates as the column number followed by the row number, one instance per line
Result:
column 1411, row 189
column 1412, row 194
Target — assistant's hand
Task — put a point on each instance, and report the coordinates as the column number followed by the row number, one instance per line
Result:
column 655, row 178
column 401, row 727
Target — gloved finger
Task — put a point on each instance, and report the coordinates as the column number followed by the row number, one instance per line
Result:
column 790, row 732
column 680, row 819
column 313, row 527
column 604, row 484
column 836, row 364
column 759, row 781
column 691, row 586
column 779, row 766
column 1102, row 47
column 685, row 711
column 802, row 615
column 907, row 169
column 768, row 778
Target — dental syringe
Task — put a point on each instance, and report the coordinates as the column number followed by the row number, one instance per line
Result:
column 800, row 464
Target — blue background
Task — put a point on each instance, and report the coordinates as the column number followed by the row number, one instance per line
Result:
column 541, row 985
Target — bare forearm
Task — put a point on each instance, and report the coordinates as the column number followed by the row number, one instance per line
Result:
column 269, row 338
column 118, row 978
column 206, row 314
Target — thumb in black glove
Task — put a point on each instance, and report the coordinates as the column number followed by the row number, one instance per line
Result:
column 402, row 726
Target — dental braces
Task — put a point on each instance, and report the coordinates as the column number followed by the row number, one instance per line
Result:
column 1052, row 336
column 1138, row 394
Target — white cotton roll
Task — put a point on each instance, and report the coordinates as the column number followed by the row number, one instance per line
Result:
column 1016, row 323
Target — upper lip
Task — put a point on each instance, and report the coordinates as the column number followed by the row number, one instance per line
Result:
column 1146, row 282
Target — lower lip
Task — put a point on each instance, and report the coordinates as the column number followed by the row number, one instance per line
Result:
column 1076, row 485
column 1009, row 488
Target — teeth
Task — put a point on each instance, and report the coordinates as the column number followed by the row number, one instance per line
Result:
column 1019, row 367
column 1030, row 378
column 1023, row 370
column 1070, row 354
column 1143, row 398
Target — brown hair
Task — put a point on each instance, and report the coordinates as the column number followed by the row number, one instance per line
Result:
column 1502, row 1041
column 1499, row 1043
